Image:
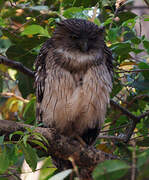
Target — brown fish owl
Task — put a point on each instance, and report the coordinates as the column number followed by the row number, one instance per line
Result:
column 74, row 79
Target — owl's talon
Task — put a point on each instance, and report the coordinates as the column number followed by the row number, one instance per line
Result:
column 81, row 141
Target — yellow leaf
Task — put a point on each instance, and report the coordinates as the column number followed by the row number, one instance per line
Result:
column 14, row 107
column 108, row 10
column 46, row 21
column 4, row 37
column 104, row 147
column 128, row 63
column 12, row 73
column 3, row 68
column 29, row 35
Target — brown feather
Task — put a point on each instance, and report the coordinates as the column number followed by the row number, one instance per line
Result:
column 73, row 87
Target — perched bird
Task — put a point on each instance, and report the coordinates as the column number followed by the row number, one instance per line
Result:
column 74, row 79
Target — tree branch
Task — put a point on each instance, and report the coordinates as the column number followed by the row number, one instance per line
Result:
column 86, row 158
column 16, row 65
column 136, row 119
column 147, row 3
column 124, row 111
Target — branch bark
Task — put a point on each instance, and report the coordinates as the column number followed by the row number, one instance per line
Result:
column 86, row 158
column 147, row 3
column 16, row 65
column 136, row 119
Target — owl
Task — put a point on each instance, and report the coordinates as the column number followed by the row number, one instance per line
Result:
column 73, row 79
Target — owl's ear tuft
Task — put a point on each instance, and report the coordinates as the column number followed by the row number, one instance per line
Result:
column 101, row 29
column 59, row 23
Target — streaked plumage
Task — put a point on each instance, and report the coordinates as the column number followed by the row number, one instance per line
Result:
column 74, row 79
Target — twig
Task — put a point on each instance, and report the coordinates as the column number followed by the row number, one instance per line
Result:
column 114, row 129
column 147, row 3
column 14, row 95
column 135, row 119
column 24, row 24
column 136, row 98
column 111, row 137
column 74, row 167
column 94, row 12
column 133, row 168
column 136, row 70
column 118, row 5
column 125, row 111
column 143, row 115
column 16, row 65
column 136, row 7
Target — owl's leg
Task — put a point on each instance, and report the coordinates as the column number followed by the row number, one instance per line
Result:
column 90, row 135
column 80, row 139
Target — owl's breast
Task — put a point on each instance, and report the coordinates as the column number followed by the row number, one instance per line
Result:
column 74, row 102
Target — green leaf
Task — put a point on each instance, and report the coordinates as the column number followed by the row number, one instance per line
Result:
column 4, row 161
column 29, row 111
column 143, row 65
column 141, row 85
column 108, row 21
column 129, row 23
column 126, row 15
column 76, row 12
column 62, row 175
column 113, row 34
column 46, row 172
column 136, row 40
column 30, row 156
column 146, row 45
column 142, row 158
column 39, row 143
column 35, row 29
column 39, row 8
column 116, row 88
column 114, row 169
column 143, row 142
column 2, row 22
column 1, row 3
column 16, row 133
column 1, row 139
column 25, row 84
column 122, row 49
column 146, row 17
column 4, row 45
column 40, row 137
column 1, row 84
column 25, row 138
column 137, row 51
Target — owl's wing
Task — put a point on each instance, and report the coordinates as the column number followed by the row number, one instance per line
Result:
column 40, row 70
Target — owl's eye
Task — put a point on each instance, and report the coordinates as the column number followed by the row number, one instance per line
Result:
column 74, row 36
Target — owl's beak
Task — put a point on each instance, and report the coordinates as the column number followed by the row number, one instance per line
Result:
column 83, row 45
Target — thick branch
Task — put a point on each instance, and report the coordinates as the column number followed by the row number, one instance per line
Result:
column 61, row 147
column 136, row 119
column 16, row 65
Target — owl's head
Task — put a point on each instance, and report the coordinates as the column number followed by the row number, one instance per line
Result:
column 78, row 35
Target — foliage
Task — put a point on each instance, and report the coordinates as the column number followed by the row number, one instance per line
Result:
column 24, row 26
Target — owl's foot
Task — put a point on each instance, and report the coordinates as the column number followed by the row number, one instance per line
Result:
column 81, row 141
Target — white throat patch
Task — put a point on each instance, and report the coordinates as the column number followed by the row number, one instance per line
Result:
column 80, row 57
